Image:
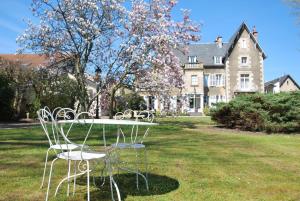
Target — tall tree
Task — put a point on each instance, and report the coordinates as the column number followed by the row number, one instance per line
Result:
column 76, row 30
column 19, row 77
column 128, row 41
column 142, row 48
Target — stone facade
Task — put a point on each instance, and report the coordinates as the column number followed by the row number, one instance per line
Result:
column 217, row 72
column 252, row 66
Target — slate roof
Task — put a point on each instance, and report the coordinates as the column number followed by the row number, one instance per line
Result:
column 281, row 80
column 205, row 52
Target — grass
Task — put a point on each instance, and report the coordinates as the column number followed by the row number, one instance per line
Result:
column 189, row 160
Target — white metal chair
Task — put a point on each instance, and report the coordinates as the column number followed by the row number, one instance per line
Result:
column 127, row 114
column 136, row 143
column 47, row 121
column 83, row 156
column 119, row 115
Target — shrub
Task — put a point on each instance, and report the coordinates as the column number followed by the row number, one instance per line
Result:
column 131, row 101
column 259, row 112
column 206, row 111
column 6, row 98
column 58, row 92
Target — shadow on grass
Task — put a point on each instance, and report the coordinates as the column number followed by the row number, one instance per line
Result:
column 158, row 185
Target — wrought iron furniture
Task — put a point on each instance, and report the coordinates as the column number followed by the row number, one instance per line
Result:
column 83, row 157
column 137, row 142
column 47, row 120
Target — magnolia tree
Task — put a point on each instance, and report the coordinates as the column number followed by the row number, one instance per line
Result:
column 76, row 30
column 132, row 43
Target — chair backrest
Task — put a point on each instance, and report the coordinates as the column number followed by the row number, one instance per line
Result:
column 127, row 114
column 147, row 116
column 65, row 114
column 85, row 121
column 119, row 115
column 49, row 125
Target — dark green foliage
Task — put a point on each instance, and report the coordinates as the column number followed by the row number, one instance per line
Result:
column 260, row 112
column 6, row 98
column 131, row 101
column 59, row 92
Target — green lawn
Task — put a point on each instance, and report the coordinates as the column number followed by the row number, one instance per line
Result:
column 189, row 160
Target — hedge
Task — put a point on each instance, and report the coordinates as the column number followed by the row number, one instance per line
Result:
column 261, row 112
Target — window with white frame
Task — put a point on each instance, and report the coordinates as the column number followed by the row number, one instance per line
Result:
column 244, row 81
column 194, row 101
column 192, row 59
column 217, row 60
column 216, row 99
column 219, row 80
column 194, row 80
column 212, row 80
column 216, row 80
column 244, row 60
column 219, row 98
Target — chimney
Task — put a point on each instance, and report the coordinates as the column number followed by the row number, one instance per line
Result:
column 255, row 33
column 219, row 41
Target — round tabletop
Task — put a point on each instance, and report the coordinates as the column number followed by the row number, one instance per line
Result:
column 109, row 122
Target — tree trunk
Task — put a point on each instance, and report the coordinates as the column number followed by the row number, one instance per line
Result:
column 111, row 103
column 82, row 92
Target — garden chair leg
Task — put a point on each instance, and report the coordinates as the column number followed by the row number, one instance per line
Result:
column 146, row 162
column 69, row 169
column 88, row 180
column 74, row 185
column 137, row 169
column 49, row 182
column 45, row 167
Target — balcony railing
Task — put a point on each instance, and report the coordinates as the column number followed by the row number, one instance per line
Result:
column 193, row 66
column 251, row 88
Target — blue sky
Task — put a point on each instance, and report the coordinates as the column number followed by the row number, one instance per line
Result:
column 279, row 33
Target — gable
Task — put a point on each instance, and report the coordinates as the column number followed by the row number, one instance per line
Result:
column 289, row 82
column 242, row 32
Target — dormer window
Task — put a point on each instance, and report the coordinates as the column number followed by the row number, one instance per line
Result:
column 217, row 60
column 192, row 59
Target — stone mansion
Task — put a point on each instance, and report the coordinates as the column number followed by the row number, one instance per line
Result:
column 217, row 72
column 212, row 72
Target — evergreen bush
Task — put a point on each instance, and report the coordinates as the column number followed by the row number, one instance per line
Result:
column 261, row 112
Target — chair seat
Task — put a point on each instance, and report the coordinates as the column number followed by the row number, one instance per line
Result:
column 65, row 146
column 128, row 145
column 78, row 155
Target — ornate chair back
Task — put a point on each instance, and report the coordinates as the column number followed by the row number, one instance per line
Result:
column 146, row 116
column 128, row 114
column 49, row 126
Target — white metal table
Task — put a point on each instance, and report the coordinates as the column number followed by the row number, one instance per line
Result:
column 110, row 122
